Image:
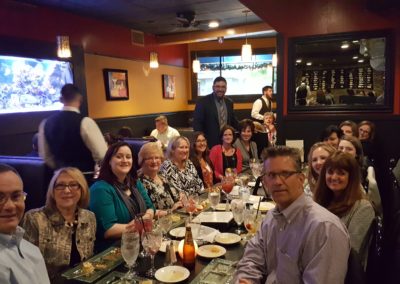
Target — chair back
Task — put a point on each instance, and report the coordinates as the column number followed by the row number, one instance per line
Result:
column 355, row 271
column 375, row 252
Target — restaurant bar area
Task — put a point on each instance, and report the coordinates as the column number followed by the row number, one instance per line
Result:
column 207, row 141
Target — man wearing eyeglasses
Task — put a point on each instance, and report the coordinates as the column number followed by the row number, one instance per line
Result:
column 298, row 241
column 20, row 261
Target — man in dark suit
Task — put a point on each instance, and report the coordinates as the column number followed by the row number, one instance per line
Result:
column 214, row 111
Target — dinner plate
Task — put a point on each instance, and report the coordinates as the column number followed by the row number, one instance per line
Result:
column 172, row 274
column 222, row 207
column 211, row 251
column 264, row 206
column 179, row 232
column 227, row 238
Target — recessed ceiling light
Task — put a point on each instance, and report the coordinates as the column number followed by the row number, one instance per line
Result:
column 360, row 60
column 309, row 63
column 213, row 24
column 344, row 45
column 355, row 41
column 355, row 57
column 298, row 60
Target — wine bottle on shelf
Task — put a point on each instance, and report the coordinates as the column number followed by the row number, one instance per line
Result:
column 189, row 253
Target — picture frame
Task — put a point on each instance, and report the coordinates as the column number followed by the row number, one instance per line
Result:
column 168, row 83
column 116, row 84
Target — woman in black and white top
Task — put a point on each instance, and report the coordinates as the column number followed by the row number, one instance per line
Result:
column 178, row 170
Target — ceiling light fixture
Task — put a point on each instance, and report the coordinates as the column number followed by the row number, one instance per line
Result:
column 274, row 60
column 298, row 60
column 213, row 24
column 196, row 65
column 63, row 48
column 246, row 48
column 355, row 57
column 360, row 60
column 153, row 60
column 309, row 63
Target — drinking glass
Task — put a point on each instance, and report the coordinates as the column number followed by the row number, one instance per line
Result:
column 214, row 195
column 252, row 222
column 237, row 207
column 227, row 184
column 151, row 242
column 190, row 204
column 256, row 168
column 244, row 193
column 164, row 223
column 148, row 226
column 130, row 246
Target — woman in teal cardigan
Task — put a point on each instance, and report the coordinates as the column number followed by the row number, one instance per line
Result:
column 114, row 198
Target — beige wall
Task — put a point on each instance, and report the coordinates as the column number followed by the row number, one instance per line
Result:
column 145, row 88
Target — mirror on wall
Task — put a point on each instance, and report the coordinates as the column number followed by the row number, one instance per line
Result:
column 341, row 72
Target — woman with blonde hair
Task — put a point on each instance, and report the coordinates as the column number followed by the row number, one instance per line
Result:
column 164, row 196
column 338, row 190
column 317, row 156
column 178, row 170
column 63, row 229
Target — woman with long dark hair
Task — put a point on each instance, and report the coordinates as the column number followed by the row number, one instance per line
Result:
column 116, row 198
column 199, row 155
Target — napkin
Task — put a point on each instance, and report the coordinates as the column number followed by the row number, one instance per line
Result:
column 210, row 237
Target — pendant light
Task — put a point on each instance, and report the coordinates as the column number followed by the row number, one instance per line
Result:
column 153, row 60
column 246, row 48
column 63, row 48
column 196, row 64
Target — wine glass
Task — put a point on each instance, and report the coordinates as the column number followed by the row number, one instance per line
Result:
column 237, row 207
column 151, row 242
column 130, row 246
column 256, row 168
column 252, row 222
column 190, row 203
column 227, row 184
column 244, row 193
column 214, row 195
column 164, row 224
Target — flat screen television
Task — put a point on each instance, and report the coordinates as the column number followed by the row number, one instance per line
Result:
column 31, row 84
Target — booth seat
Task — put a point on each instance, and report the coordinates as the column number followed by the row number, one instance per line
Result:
column 136, row 144
column 35, row 176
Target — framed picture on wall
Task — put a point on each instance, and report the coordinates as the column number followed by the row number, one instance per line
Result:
column 116, row 83
column 168, row 86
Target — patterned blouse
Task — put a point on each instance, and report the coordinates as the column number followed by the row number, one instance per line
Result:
column 46, row 228
column 162, row 195
column 186, row 180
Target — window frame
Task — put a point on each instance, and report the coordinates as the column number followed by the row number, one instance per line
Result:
column 245, row 98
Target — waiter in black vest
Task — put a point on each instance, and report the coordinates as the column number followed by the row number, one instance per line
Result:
column 262, row 105
column 69, row 139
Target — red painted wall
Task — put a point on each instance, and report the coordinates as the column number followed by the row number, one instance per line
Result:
column 318, row 17
column 28, row 21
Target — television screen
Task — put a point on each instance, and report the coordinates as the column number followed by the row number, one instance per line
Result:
column 28, row 84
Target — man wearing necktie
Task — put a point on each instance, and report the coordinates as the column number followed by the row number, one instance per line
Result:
column 214, row 111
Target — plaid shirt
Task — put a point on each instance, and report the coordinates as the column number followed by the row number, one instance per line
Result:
column 45, row 228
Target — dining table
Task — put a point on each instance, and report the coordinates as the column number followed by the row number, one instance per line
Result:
column 234, row 253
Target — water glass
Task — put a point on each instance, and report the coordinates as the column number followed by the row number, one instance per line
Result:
column 252, row 222
column 214, row 196
column 237, row 207
column 130, row 246
column 164, row 223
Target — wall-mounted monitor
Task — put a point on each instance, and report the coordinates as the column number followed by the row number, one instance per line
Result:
column 32, row 84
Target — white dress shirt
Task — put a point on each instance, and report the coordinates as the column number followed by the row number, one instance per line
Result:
column 257, row 105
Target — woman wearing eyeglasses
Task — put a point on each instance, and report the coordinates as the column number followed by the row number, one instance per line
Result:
column 63, row 230
column 163, row 195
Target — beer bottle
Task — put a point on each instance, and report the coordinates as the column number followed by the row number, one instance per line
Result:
column 189, row 254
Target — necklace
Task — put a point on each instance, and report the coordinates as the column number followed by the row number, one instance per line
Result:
column 73, row 223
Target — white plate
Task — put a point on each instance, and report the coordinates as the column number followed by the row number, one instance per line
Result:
column 179, row 232
column 172, row 274
column 164, row 245
column 252, row 183
column 264, row 206
column 255, row 198
column 211, row 251
column 222, row 207
column 213, row 217
column 227, row 238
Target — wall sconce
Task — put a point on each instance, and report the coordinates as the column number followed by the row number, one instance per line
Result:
column 63, row 48
column 153, row 60
column 246, row 48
